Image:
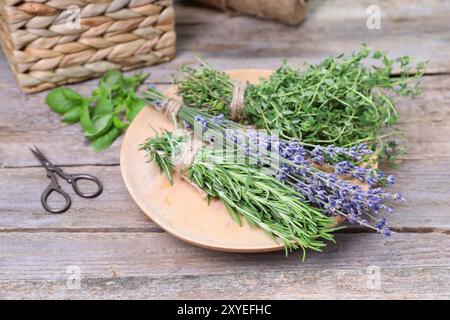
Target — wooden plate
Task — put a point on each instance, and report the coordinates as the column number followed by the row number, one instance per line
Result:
column 180, row 209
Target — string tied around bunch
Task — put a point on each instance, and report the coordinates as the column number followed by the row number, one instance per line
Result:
column 170, row 107
column 185, row 158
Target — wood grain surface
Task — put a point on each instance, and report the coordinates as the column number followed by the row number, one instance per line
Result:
column 122, row 254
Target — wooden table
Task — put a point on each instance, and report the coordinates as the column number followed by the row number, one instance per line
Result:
column 119, row 253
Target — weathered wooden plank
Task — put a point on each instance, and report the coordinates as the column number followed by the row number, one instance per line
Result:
column 424, row 121
column 424, row 184
column 20, row 207
column 330, row 27
column 154, row 265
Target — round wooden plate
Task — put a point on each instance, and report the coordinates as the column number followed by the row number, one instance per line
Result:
column 180, row 209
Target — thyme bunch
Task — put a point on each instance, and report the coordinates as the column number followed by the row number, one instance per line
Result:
column 339, row 101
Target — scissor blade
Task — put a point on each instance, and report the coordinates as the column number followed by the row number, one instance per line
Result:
column 40, row 156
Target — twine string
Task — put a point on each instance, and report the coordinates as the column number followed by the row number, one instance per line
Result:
column 187, row 154
column 185, row 158
column 171, row 107
column 237, row 102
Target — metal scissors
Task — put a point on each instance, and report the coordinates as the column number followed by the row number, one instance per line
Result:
column 73, row 179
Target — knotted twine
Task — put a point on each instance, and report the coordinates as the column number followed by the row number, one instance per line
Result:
column 186, row 156
column 237, row 102
column 188, row 152
column 170, row 106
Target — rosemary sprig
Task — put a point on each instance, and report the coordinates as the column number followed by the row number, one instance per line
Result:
column 160, row 149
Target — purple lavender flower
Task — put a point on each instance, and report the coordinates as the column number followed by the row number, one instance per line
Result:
column 344, row 167
column 398, row 196
column 387, row 232
column 391, row 180
column 218, row 119
column 359, row 173
column 381, row 224
column 332, row 153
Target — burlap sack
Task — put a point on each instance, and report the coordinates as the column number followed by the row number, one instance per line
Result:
column 286, row 11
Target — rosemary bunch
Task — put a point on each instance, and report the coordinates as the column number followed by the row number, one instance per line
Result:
column 248, row 192
column 338, row 101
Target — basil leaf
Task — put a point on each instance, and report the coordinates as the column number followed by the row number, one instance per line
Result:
column 134, row 110
column 101, row 91
column 133, row 105
column 103, row 106
column 129, row 84
column 101, row 124
column 60, row 100
column 72, row 115
column 111, row 78
column 119, row 124
column 104, row 141
column 85, row 119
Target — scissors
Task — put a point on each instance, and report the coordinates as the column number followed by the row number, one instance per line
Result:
column 73, row 179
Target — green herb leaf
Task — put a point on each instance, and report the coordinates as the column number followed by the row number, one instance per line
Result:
column 342, row 100
column 60, row 100
column 106, row 140
column 85, row 118
column 72, row 115
column 103, row 106
column 119, row 124
column 129, row 84
column 101, row 124
column 116, row 105
column 111, row 79
column 134, row 105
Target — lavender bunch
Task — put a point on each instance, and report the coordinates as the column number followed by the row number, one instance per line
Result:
column 300, row 169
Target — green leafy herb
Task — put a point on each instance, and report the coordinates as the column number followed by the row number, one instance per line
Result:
column 106, row 113
column 72, row 115
column 339, row 101
column 161, row 148
column 104, row 141
column 61, row 100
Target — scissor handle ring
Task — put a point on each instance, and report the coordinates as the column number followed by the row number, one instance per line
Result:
column 46, row 194
column 73, row 180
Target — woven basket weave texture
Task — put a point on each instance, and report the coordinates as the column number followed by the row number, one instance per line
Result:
column 55, row 42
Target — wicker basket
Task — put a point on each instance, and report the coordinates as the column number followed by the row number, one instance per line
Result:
column 47, row 45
